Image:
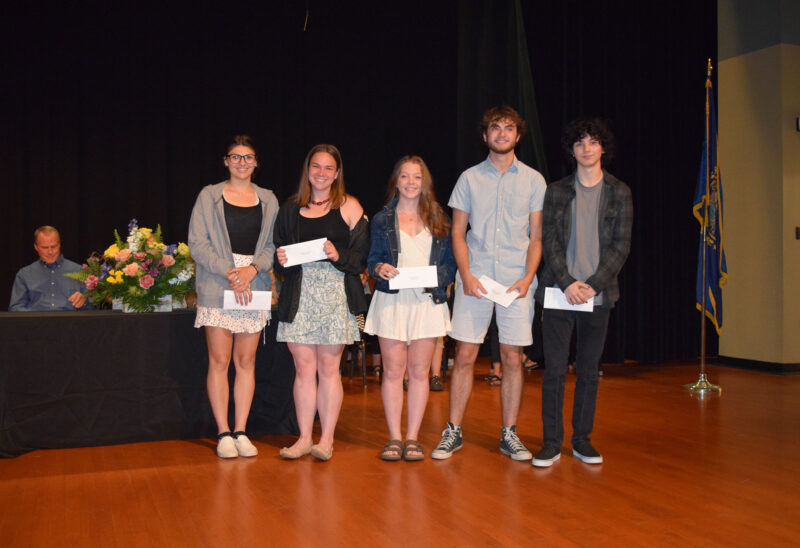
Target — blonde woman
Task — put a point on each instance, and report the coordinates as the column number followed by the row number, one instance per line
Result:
column 412, row 230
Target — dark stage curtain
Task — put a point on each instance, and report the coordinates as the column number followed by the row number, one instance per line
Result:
column 642, row 66
column 115, row 113
column 123, row 112
column 494, row 69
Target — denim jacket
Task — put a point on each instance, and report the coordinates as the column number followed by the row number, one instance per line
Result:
column 385, row 246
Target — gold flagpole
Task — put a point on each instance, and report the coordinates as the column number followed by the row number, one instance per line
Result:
column 703, row 386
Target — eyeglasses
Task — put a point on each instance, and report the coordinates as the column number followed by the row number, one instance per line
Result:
column 236, row 158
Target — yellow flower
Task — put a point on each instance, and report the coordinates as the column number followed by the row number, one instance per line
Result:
column 111, row 252
column 182, row 249
column 146, row 232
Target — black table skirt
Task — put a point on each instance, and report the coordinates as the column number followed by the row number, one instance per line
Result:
column 76, row 379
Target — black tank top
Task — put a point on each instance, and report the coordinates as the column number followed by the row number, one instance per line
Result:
column 331, row 226
column 244, row 226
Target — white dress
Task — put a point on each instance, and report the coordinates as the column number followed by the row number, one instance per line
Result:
column 408, row 314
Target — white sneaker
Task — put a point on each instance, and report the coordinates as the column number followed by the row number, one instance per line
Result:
column 226, row 447
column 245, row 447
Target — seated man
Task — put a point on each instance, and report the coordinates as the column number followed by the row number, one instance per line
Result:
column 42, row 285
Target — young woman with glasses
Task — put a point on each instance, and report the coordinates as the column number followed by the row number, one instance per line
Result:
column 230, row 238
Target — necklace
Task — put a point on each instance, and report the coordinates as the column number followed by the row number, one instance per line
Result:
column 321, row 202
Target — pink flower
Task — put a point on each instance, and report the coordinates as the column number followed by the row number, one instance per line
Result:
column 84, row 266
column 140, row 255
column 91, row 282
column 123, row 255
column 168, row 260
column 131, row 269
column 153, row 272
column 146, row 281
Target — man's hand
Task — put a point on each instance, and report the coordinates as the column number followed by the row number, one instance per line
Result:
column 522, row 285
column 472, row 286
column 579, row 293
column 77, row 299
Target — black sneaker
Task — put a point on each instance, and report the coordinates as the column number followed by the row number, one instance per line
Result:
column 585, row 452
column 451, row 442
column 546, row 456
column 436, row 384
column 511, row 446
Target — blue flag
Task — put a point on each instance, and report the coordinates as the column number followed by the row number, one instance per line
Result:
column 708, row 211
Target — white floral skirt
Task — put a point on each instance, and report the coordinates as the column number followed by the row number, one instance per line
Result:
column 235, row 321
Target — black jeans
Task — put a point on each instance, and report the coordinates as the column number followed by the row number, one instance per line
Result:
column 557, row 328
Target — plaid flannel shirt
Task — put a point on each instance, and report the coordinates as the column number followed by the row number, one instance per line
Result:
column 615, row 220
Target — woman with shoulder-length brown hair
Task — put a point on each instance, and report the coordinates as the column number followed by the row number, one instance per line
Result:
column 319, row 301
column 412, row 230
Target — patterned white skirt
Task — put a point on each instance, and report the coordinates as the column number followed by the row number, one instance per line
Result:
column 323, row 316
column 235, row 321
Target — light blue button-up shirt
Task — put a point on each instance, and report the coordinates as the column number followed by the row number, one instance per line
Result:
column 499, row 208
column 41, row 287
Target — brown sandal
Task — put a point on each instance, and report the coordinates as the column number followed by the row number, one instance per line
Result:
column 393, row 450
column 494, row 380
column 412, row 451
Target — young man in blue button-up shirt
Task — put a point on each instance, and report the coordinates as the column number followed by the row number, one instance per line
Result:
column 501, row 200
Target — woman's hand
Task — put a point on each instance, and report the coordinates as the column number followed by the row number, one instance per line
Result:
column 386, row 271
column 239, row 281
column 281, row 254
column 240, row 278
column 330, row 251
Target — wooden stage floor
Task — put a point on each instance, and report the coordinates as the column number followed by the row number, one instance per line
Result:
column 678, row 471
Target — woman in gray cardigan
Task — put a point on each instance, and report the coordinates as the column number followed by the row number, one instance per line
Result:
column 230, row 238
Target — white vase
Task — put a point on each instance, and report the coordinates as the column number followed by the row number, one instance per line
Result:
column 164, row 305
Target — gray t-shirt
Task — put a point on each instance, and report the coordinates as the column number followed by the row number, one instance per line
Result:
column 583, row 250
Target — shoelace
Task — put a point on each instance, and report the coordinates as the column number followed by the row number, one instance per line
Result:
column 513, row 441
column 449, row 437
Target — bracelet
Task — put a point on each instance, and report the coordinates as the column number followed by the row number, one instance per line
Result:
column 254, row 266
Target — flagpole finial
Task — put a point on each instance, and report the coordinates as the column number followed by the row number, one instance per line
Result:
column 709, row 68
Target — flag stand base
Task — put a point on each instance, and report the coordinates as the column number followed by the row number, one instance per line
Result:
column 702, row 386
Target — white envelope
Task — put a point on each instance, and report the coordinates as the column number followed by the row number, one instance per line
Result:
column 410, row 277
column 555, row 298
column 497, row 291
column 262, row 300
column 305, row 252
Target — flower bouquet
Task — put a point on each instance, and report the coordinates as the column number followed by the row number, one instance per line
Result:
column 141, row 271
